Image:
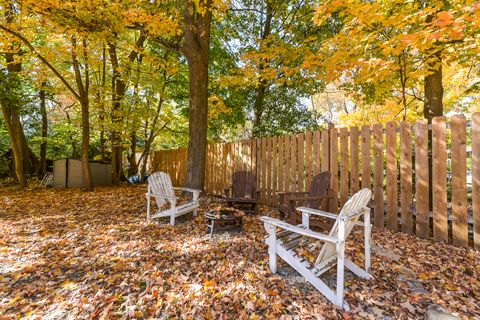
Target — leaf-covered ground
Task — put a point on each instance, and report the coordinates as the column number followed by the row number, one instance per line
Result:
column 66, row 254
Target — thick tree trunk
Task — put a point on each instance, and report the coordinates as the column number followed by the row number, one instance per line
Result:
column 197, row 49
column 12, row 122
column 433, row 105
column 118, row 91
column 74, row 154
column 42, row 168
column 198, row 74
column 258, row 107
column 145, row 155
column 433, row 87
column 102, row 111
column 86, row 173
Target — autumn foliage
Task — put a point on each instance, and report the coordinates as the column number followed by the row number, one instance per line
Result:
column 93, row 256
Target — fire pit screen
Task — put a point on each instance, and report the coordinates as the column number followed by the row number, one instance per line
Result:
column 222, row 218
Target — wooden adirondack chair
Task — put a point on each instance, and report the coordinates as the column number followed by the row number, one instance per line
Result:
column 319, row 190
column 332, row 252
column 243, row 190
column 160, row 187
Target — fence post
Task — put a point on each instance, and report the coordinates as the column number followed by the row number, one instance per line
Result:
column 476, row 179
column 333, row 163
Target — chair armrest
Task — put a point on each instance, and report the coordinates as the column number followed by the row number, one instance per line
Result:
column 160, row 196
column 306, row 198
column 195, row 192
column 189, row 190
column 330, row 215
column 287, row 193
column 298, row 230
column 283, row 195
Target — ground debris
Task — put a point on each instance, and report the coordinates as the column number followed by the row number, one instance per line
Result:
column 67, row 254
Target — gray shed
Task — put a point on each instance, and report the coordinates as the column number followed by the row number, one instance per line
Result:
column 67, row 173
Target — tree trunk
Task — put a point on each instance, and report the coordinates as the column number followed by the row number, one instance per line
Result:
column 102, row 111
column 84, row 103
column 86, row 173
column 12, row 122
column 118, row 89
column 132, row 159
column 258, row 107
column 433, row 87
column 12, row 116
column 42, row 168
column 119, row 86
column 262, row 89
column 433, row 105
column 145, row 155
column 196, row 48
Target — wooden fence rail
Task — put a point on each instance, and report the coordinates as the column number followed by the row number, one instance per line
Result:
column 427, row 187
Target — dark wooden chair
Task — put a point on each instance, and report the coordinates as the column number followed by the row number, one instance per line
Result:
column 319, row 191
column 243, row 191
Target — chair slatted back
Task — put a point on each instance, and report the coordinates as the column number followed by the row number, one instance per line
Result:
column 318, row 188
column 243, row 184
column 351, row 212
column 160, row 184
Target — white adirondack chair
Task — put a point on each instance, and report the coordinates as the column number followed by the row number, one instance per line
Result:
column 332, row 252
column 160, row 187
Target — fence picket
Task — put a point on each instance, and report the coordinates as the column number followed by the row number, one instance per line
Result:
column 325, row 157
column 281, row 163
column 316, row 152
column 273, row 194
column 263, row 178
column 293, row 163
column 288, row 164
column 333, row 147
column 366, row 169
column 422, row 199
column 301, row 161
column 344, row 178
column 354, row 162
column 225, row 167
column 269, row 168
column 378, row 175
column 258, row 156
column 439, row 179
column 459, row 181
column 476, row 179
column 406, row 177
column 391, row 160
column 308, row 159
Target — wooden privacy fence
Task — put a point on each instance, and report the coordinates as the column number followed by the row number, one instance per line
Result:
column 395, row 161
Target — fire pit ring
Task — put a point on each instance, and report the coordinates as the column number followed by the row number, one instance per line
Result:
column 223, row 219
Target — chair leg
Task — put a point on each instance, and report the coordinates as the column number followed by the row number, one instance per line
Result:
column 367, row 235
column 148, row 208
column 292, row 217
column 272, row 244
column 340, row 262
column 172, row 216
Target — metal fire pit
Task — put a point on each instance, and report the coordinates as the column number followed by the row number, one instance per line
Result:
column 223, row 220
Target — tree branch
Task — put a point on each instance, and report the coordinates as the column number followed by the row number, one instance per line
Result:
column 39, row 56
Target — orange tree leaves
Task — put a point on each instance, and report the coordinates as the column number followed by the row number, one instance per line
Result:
column 66, row 253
